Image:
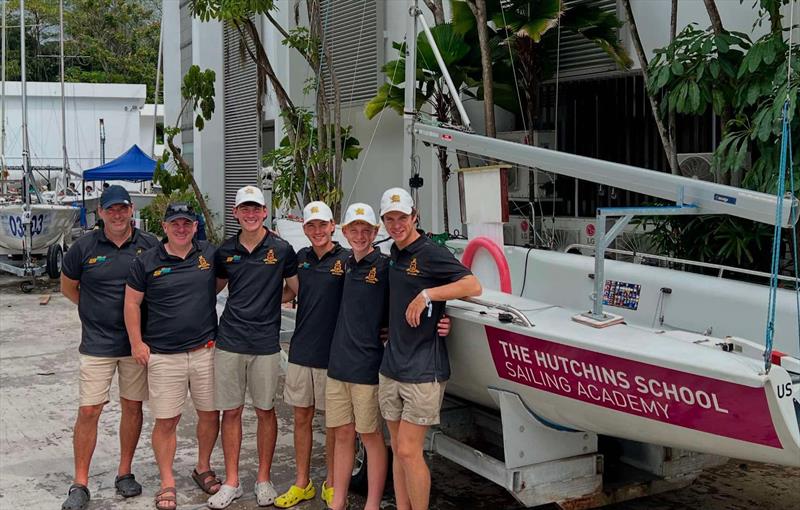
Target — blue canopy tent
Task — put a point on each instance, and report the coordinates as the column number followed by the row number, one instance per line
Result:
column 134, row 166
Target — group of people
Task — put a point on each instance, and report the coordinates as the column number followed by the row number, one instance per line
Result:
column 367, row 344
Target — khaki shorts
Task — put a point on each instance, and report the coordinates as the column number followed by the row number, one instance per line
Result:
column 417, row 403
column 96, row 374
column 171, row 376
column 234, row 374
column 352, row 403
column 305, row 386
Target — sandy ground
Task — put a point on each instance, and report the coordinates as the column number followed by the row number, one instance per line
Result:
column 38, row 395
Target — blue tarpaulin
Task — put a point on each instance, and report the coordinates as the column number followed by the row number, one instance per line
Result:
column 134, row 165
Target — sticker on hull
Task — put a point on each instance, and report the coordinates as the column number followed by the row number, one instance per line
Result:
column 663, row 394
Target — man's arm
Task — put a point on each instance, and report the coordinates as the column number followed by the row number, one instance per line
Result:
column 70, row 288
column 290, row 289
column 467, row 286
column 221, row 283
column 133, row 323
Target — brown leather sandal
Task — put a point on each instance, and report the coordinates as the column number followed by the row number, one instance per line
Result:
column 207, row 481
column 166, row 499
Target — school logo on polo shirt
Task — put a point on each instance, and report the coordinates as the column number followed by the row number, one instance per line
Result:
column 95, row 260
column 412, row 268
column 235, row 259
column 372, row 277
column 202, row 263
column 139, row 251
column 270, row 258
column 162, row 271
column 337, row 269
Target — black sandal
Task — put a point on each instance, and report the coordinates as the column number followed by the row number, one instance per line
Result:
column 127, row 486
column 77, row 498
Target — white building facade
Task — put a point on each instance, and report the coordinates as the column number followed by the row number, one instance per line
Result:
column 361, row 34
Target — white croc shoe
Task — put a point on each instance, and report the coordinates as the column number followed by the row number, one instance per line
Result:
column 225, row 496
column 265, row 493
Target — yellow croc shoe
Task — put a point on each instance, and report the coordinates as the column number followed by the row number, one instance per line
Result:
column 296, row 495
column 327, row 494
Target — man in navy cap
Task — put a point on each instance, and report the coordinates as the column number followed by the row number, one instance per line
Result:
column 93, row 277
column 176, row 280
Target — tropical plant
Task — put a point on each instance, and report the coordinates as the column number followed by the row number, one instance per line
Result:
column 153, row 214
column 431, row 90
column 327, row 120
column 197, row 91
column 525, row 37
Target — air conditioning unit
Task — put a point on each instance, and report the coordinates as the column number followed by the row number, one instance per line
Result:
column 697, row 165
column 517, row 231
column 567, row 230
column 519, row 177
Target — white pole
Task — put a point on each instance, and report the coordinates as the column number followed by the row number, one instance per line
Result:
column 439, row 60
column 409, row 165
column 3, row 104
column 158, row 83
column 62, row 181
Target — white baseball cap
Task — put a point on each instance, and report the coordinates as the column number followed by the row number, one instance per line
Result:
column 360, row 212
column 249, row 194
column 317, row 211
column 396, row 199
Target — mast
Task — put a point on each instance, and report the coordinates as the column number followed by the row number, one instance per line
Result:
column 62, row 181
column 158, row 82
column 3, row 104
column 28, row 182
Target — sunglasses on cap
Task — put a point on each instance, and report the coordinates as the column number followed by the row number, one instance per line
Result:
column 179, row 209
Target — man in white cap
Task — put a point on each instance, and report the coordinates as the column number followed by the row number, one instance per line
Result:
column 254, row 264
column 422, row 277
column 320, row 269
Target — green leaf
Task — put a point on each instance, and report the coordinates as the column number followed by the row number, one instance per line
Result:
column 721, row 43
column 714, row 68
column 677, row 68
column 694, row 96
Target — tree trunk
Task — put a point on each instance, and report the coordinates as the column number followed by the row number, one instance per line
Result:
column 186, row 170
column 435, row 6
column 669, row 150
column 673, row 31
column 727, row 112
column 478, row 8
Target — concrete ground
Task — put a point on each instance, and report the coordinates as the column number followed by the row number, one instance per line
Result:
column 38, row 395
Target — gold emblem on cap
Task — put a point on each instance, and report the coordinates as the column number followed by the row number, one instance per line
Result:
column 314, row 210
column 395, row 198
column 360, row 211
column 372, row 277
column 249, row 189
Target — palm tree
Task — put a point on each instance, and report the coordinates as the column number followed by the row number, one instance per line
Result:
column 431, row 90
column 524, row 40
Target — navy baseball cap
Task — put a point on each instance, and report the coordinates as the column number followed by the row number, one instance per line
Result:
column 114, row 195
column 177, row 210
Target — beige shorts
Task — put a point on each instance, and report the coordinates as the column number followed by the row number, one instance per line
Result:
column 235, row 374
column 96, row 374
column 305, row 386
column 171, row 376
column 417, row 403
column 352, row 403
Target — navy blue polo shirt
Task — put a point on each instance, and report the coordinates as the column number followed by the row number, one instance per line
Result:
column 251, row 321
column 418, row 355
column 321, row 283
column 180, row 297
column 101, row 268
column 356, row 349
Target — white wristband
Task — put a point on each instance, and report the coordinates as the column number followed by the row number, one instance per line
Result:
column 426, row 296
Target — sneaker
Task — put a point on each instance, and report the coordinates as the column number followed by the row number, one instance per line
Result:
column 295, row 495
column 225, row 496
column 327, row 494
column 265, row 493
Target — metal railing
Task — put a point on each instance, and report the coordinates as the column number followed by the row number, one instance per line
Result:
column 520, row 317
column 708, row 265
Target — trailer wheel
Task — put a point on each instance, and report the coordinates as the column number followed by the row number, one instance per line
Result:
column 358, row 480
column 55, row 255
column 26, row 286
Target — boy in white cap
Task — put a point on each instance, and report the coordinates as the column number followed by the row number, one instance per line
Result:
column 320, row 269
column 422, row 277
column 254, row 264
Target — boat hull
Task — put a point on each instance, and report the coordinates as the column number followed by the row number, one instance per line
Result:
column 713, row 402
column 49, row 223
